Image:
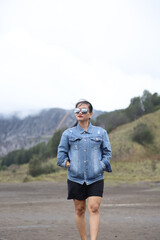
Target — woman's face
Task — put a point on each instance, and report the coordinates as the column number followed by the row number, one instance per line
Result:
column 83, row 117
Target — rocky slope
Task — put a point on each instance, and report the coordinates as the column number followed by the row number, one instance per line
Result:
column 16, row 133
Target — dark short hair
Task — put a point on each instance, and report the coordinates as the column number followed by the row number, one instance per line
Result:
column 85, row 102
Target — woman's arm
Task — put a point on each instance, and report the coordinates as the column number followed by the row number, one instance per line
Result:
column 63, row 148
column 106, row 153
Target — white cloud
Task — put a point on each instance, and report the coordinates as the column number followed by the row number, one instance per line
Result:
column 56, row 52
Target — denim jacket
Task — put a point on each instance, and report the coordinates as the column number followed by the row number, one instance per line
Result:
column 88, row 152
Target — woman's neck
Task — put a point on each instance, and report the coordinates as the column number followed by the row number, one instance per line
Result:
column 84, row 125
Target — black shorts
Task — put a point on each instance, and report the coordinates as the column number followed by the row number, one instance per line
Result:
column 82, row 192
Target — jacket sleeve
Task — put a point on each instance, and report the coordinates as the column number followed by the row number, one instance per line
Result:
column 63, row 148
column 106, row 153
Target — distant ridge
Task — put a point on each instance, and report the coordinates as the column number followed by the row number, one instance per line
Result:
column 17, row 133
column 62, row 121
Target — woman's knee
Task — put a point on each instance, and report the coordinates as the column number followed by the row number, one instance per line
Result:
column 80, row 208
column 93, row 208
column 80, row 211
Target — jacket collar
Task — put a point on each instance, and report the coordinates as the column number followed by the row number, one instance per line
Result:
column 81, row 130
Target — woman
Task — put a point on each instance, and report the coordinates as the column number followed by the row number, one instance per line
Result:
column 85, row 151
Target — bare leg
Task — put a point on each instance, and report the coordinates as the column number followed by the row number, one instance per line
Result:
column 80, row 208
column 94, row 218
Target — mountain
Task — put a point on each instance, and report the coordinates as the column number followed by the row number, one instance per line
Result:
column 17, row 133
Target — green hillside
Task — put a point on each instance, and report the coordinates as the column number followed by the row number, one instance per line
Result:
column 139, row 106
column 125, row 149
column 132, row 162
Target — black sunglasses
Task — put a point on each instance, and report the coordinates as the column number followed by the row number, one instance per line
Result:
column 82, row 110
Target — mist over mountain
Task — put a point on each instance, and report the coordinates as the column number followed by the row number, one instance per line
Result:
column 17, row 131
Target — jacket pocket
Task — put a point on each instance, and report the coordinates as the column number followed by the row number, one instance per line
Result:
column 74, row 143
column 74, row 169
column 96, row 142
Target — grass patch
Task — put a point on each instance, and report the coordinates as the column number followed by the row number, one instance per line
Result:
column 123, row 172
column 15, row 173
column 132, row 172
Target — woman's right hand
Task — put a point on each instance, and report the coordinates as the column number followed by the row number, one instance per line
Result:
column 67, row 164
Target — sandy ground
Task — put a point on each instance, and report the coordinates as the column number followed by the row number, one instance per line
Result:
column 39, row 210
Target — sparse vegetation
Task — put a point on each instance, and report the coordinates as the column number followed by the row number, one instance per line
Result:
column 142, row 134
column 123, row 172
column 132, row 172
column 38, row 166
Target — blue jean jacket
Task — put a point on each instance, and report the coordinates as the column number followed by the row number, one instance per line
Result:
column 89, row 153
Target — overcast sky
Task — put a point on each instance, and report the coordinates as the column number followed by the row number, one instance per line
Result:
column 55, row 52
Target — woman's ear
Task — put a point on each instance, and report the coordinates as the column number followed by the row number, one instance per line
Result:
column 91, row 114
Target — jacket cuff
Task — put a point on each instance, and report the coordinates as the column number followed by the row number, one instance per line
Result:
column 62, row 164
column 103, row 165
